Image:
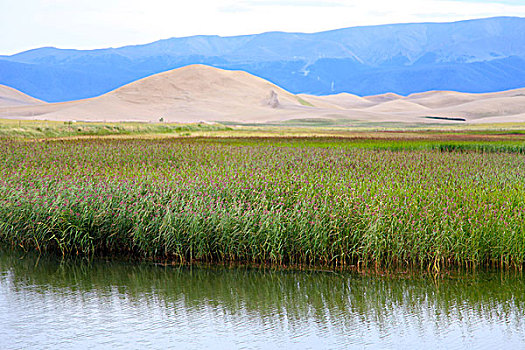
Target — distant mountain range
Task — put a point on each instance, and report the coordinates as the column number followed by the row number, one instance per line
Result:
column 482, row 55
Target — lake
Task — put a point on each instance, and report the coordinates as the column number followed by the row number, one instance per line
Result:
column 46, row 303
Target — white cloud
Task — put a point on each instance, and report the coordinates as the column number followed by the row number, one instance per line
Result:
column 26, row 24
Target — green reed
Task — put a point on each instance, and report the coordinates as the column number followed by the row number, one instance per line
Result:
column 272, row 201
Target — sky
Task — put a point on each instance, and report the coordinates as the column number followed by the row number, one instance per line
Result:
column 89, row 24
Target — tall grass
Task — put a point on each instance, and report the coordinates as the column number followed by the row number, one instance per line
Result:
column 217, row 200
column 366, row 141
column 48, row 129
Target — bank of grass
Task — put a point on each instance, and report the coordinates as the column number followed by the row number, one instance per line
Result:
column 508, row 138
column 371, row 141
column 265, row 200
column 37, row 129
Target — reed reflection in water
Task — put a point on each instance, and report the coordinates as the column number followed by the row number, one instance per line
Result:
column 45, row 303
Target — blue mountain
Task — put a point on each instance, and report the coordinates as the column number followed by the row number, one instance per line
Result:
column 482, row 55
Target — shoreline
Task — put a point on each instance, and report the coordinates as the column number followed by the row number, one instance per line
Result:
column 397, row 271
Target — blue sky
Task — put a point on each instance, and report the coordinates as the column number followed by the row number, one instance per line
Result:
column 82, row 24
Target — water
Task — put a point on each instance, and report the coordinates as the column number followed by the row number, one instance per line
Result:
column 48, row 304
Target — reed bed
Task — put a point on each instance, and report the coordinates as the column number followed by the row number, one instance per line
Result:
column 230, row 200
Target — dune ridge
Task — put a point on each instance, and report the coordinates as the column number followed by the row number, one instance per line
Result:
column 199, row 93
column 12, row 97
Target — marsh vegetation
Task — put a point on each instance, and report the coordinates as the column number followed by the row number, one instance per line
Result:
column 385, row 200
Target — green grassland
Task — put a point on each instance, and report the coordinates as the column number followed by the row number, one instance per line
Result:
column 37, row 129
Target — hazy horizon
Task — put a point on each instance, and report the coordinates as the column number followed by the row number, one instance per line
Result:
column 247, row 34
column 103, row 24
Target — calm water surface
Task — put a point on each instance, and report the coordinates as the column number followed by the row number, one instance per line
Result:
column 48, row 304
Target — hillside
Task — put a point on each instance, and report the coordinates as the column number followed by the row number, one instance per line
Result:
column 199, row 93
column 483, row 55
column 11, row 97
column 189, row 94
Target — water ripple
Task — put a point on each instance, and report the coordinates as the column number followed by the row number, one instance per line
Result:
column 121, row 306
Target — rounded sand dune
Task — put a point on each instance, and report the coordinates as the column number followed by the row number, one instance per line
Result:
column 389, row 96
column 396, row 106
column 199, row 93
column 10, row 97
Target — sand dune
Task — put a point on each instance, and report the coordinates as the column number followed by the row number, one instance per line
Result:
column 199, row 93
column 441, row 99
column 341, row 101
column 389, row 96
column 398, row 105
column 487, row 107
column 11, row 97
column 189, row 94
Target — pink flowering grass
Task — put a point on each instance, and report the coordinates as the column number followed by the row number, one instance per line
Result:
column 216, row 200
